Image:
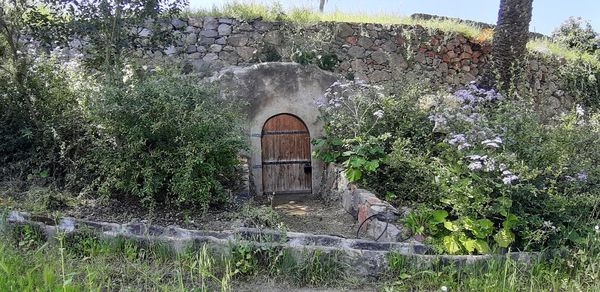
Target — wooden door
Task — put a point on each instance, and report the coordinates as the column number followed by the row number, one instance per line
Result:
column 286, row 165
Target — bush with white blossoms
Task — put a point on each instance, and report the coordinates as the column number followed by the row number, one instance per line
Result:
column 505, row 164
column 351, row 111
column 486, row 171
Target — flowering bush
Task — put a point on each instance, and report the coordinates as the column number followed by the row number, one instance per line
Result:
column 503, row 164
column 486, row 170
column 577, row 33
column 351, row 111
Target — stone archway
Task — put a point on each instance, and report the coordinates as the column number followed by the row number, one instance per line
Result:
column 272, row 89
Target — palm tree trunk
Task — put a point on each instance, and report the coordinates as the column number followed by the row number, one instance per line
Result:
column 322, row 5
column 509, row 45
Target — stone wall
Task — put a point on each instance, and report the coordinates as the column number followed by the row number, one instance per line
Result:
column 375, row 53
column 377, row 219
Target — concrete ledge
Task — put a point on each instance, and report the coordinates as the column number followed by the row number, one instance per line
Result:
column 360, row 257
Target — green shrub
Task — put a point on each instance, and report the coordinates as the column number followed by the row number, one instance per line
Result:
column 352, row 111
column 409, row 149
column 488, row 171
column 25, row 236
column 44, row 133
column 166, row 138
column 325, row 61
column 532, row 180
column 577, row 33
column 377, row 134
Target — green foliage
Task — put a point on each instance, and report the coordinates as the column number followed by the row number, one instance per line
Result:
column 43, row 140
column 167, row 139
column 25, row 236
column 409, row 148
column 268, row 53
column 351, row 111
column 569, row 269
column 325, row 61
column 578, row 34
column 85, row 244
column 510, row 168
column 582, row 78
column 245, row 262
column 111, row 29
column 321, row 269
column 314, row 268
column 578, row 71
column 499, row 175
column 260, row 216
column 377, row 134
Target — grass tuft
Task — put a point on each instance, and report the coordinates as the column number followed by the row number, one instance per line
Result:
column 546, row 46
column 251, row 10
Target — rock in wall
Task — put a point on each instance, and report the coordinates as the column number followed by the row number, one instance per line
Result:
column 376, row 53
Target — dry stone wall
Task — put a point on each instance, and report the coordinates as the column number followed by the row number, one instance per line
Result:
column 372, row 52
column 376, row 53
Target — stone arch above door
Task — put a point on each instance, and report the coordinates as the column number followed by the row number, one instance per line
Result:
column 277, row 88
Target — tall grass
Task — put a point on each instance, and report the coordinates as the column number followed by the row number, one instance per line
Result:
column 548, row 47
column 251, row 10
column 85, row 262
column 576, row 269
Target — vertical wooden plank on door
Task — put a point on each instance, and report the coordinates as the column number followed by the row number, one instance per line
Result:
column 286, row 156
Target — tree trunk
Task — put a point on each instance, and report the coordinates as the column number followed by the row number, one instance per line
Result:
column 322, row 5
column 509, row 45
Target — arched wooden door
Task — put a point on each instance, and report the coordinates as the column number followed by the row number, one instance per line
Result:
column 286, row 165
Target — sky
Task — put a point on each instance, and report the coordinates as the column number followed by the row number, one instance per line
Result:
column 547, row 14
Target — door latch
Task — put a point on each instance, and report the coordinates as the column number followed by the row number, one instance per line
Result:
column 307, row 168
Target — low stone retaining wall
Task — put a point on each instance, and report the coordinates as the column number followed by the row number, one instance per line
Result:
column 377, row 219
column 361, row 257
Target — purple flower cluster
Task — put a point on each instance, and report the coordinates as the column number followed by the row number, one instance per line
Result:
column 339, row 91
column 320, row 101
column 473, row 95
column 508, row 177
column 481, row 162
column 580, row 176
column 459, row 140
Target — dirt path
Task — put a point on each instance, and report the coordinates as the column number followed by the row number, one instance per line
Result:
column 311, row 216
column 316, row 217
